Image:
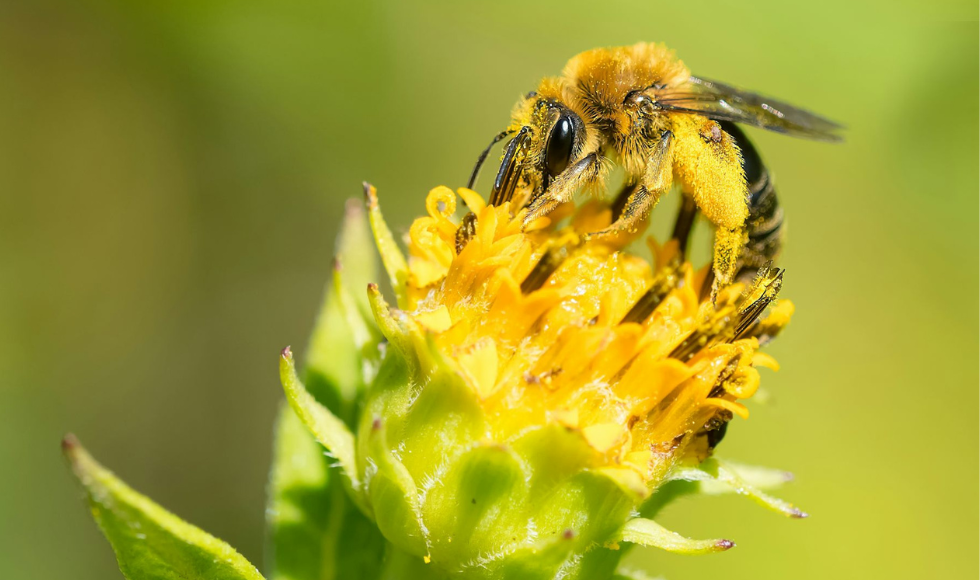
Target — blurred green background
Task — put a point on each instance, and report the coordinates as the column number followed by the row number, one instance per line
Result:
column 172, row 175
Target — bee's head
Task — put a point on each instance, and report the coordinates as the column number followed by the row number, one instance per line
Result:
column 548, row 136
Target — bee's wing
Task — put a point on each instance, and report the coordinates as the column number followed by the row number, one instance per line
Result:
column 726, row 103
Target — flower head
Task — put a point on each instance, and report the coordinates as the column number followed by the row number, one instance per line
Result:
column 536, row 386
column 548, row 328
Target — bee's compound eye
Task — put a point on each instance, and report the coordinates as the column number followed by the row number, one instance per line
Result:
column 559, row 149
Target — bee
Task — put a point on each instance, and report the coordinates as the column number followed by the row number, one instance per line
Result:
column 640, row 107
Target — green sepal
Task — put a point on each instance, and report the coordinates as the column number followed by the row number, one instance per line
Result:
column 426, row 453
column 575, row 524
column 395, row 326
column 591, row 505
column 760, row 478
column 393, row 494
column 328, row 429
column 150, row 542
column 443, row 421
column 554, row 453
column 556, row 556
column 647, row 532
column 689, row 480
column 714, row 476
column 479, row 506
column 391, row 255
column 391, row 491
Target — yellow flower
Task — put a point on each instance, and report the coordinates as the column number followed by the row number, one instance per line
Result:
column 536, row 386
column 547, row 327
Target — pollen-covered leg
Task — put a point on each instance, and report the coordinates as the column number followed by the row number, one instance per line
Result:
column 728, row 246
column 655, row 181
column 583, row 173
column 709, row 167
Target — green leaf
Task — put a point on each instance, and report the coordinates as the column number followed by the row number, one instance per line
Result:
column 299, row 502
column 345, row 333
column 316, row 533
column 151, row 543
column 357, row 253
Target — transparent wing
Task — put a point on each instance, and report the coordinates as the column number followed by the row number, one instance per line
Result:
column 723, row 102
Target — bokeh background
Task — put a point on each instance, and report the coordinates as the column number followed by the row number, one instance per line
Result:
column 172, row 175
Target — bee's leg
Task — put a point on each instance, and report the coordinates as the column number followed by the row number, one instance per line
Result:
column 764, row 226
column 656, row 180
column 582, row 173
column 621, row 198
column 684, row 222
column 709, row 166
column 728, row 246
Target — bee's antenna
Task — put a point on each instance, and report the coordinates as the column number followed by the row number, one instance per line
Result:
column 483, row 157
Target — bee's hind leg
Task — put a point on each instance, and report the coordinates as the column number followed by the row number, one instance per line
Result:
column 656, row 180
column 583, row 172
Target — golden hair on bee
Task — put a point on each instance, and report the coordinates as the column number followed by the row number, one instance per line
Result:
column 604, row 77
column 640, row 107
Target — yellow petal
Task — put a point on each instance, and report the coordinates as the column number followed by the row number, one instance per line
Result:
column 640, row 460
column 441, row 202
column 604, row 436
column 744, row 384
column 436, row 320
column 567, row 417
column 472, row 199
column 761, row 359
column 736, row 408
column 781, row 313
column 479, row 363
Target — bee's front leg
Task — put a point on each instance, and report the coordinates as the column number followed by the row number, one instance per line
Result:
column 656, row 180
column 582, row 173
